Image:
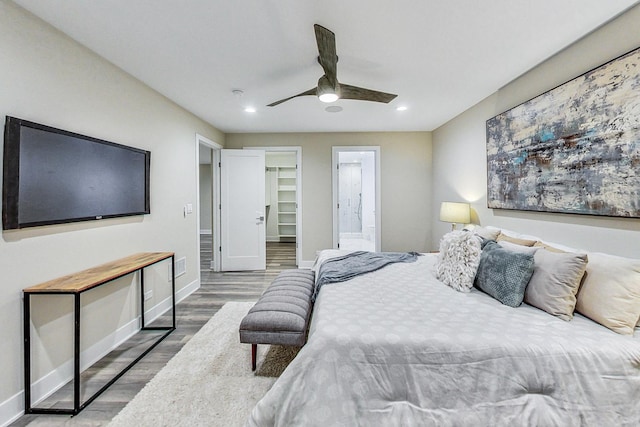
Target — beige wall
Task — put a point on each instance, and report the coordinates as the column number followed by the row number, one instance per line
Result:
column 50, row 79
column 459, row 155
column 405, row 163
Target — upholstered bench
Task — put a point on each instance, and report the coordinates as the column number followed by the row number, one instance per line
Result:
column 282, row 313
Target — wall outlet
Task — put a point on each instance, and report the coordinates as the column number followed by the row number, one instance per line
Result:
column 148, row 295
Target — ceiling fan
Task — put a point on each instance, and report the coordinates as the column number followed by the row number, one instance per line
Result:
column 329, row 89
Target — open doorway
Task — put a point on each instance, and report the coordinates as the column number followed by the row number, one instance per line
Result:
column 288, row 219
column 207, row 158
column 356, row 194
column 283, row 198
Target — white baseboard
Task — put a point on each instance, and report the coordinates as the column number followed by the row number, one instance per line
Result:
column 187, row 290
column 13, row 408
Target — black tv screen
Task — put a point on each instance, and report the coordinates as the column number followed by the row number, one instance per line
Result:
column 51, row 176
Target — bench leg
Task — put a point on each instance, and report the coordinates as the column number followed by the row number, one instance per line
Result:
column 254, row 353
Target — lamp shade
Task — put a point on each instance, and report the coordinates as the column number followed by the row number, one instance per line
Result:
column 455, row 212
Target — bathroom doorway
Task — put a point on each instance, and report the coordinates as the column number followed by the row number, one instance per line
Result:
column 356, row 198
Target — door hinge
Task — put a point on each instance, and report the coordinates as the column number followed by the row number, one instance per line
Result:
column 220, row 207
column 219, row 164
column 220, row 249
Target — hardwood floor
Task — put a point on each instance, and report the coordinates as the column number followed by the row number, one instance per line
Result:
column 191, row 314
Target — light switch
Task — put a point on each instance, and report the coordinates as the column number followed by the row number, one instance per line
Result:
column 189, row 208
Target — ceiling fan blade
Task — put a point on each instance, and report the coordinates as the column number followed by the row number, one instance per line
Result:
column 326, row 40
column 362, row 94
column 313, row 91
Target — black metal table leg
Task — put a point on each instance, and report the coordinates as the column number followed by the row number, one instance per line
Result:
column 173, row 289
column 76, row 355
column 27, row 352
column 142, row 297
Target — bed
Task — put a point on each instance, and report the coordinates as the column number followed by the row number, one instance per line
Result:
column 396, row 347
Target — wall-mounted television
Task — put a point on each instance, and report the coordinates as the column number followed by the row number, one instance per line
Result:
column 52, row 176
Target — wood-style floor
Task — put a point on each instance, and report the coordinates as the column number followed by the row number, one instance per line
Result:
column 191, row 314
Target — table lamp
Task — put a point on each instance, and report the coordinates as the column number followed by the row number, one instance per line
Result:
column 455, row 212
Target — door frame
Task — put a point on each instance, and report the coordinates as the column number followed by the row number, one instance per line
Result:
column 298, row 150
column 335, row 150
column 215, row 197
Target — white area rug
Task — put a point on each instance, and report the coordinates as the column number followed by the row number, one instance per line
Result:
column 209, row 382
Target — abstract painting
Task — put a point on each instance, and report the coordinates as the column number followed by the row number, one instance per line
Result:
column 574, row 149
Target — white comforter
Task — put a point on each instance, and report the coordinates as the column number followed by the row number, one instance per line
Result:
column 398, row 348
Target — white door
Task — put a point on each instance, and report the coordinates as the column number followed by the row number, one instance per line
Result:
column 242, row 210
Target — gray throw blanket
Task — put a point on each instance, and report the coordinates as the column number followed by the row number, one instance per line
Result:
column 354, row 264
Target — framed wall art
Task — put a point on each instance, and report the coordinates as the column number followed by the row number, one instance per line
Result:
column 574, row 149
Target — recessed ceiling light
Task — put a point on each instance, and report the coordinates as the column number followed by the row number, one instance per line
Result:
column 333, row 109
column 401, row 108
column 249, row 110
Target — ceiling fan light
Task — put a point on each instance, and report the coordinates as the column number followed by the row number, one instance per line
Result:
column 328, row 97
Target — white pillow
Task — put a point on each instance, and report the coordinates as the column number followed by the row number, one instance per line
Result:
column 555, row 282
column 458, row 260
column 610, row 292
column 514, row 247
column 489, row 233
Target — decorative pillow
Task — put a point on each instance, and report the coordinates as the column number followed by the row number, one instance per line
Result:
column 555, row 282
column 516, row 240
column 458, row 260
column 610, row 292
column 504, row 274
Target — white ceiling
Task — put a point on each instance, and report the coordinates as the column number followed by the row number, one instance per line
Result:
column 440, row 57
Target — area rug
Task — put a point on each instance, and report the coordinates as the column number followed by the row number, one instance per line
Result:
column 209, row 382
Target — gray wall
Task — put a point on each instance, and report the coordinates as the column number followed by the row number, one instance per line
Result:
column 459, row 156
column 405, row 162
column 48, row 78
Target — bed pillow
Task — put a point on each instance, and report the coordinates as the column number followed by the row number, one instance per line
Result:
column 504, row 274
column 610, row 292
column 458, row 260
column 516, row 240
column 518, row 248
column 555, row 282
column 489, row 233
column 550, row 248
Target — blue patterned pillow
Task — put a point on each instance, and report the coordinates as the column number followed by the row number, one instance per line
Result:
column 504, row 274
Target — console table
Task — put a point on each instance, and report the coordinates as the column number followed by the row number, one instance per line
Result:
column 75, row 284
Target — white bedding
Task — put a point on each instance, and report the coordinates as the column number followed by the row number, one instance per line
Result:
column 398, row 348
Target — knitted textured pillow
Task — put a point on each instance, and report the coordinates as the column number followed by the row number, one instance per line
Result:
column 504, row 274
column 458, row 260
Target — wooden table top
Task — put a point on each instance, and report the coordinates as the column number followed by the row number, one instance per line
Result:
column 95, row 276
